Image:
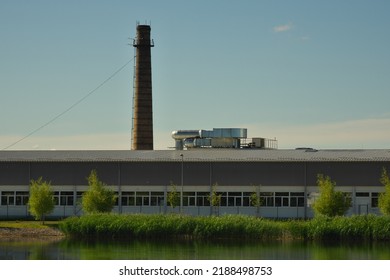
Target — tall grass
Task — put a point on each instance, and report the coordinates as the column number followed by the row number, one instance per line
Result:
column 170, row 226
column 226, row 227
column 355, row 228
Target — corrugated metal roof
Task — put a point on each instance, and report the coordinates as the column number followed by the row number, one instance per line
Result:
column 197, row 155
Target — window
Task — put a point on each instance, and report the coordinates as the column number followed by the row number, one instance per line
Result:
column 128, row 199
column 246, row 199
column 223, row 198
column 21, row 198
column 66, row 198
column 362, row 194
column 156, row 198
column 7, row 198
column 267, row 199
column 142, row 199
column 297, row 199
column 189, row 198
column 281, row 199
column 202, row 199
column 235, row 199
column 374, row 200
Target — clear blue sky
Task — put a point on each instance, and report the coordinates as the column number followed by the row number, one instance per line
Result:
column 310, row 73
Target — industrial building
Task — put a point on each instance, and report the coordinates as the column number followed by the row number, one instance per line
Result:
column 284, row 179
column 222, row 160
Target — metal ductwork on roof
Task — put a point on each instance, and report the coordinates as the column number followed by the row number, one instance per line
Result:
column 231, row 138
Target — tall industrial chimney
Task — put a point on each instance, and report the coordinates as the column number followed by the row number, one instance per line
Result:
column 142, row 130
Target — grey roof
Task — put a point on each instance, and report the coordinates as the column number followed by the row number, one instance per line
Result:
column 198, row 155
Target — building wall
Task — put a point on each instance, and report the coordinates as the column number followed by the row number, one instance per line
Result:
column 194, row 173
column 283, row 179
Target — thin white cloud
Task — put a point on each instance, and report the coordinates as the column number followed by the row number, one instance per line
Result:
column 370, row 133
column 283, row 28
column 305, row 38
column 355, row 134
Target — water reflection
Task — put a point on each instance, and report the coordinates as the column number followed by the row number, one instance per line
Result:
column 190, row 250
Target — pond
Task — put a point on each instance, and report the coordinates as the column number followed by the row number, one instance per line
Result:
column 190, row 250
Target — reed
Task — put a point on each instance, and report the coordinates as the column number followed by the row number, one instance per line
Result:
column 355, row 228
column 173, row 226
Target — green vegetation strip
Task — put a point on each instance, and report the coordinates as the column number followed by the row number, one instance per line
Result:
column 28, row 224
column 356, row 228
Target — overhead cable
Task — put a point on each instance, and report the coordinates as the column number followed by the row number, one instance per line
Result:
column 70, row 107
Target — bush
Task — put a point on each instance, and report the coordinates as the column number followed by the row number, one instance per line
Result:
column 331, row 203
column 98, row 198
column 384, row 198
column 41, row 200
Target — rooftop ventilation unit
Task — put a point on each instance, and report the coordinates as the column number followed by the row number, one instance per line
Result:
column 228, row 138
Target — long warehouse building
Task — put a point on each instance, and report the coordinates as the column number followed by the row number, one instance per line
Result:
column 284, row 179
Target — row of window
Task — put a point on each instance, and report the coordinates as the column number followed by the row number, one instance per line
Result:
column 14, row 198
column 21, row 198
column 233, row 199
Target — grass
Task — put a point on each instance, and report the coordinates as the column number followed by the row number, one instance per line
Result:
column 28, row 224
column 170, row 227
column 355, row 228
column 237, row 227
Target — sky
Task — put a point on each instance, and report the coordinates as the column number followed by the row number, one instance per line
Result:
column 308, row 73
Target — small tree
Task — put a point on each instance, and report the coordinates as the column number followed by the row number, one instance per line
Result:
column 41, row 201
column 255, row 200
column 215, row 199
column 330, row 203
column 173, row 197
column 384, row 198
column 98, row 198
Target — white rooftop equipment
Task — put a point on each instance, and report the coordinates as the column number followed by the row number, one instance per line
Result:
column 228, row 138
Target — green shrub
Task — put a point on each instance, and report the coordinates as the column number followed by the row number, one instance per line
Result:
column 41, row 200
column 331, row 203
column 384, row 198
column 98, row 198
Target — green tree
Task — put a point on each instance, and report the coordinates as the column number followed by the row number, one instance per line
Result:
column 215, row 199
column 173, row 196
column 98, row 198
column 255, row 200
column 41, row 201
column 331, row 203
column 384, row 198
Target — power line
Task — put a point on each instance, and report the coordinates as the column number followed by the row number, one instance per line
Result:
column 70, row 107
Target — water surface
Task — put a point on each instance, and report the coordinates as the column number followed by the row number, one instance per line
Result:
column 190, row 250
